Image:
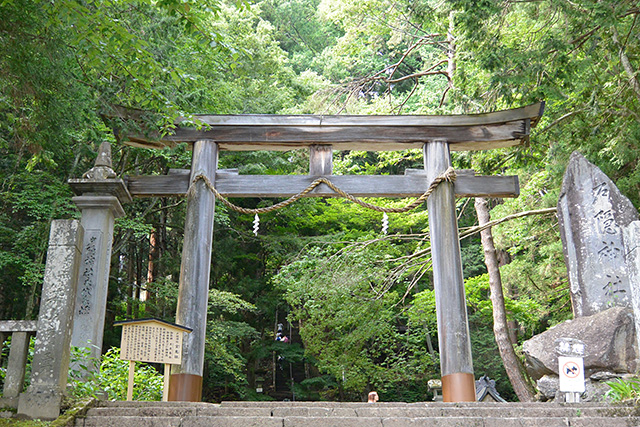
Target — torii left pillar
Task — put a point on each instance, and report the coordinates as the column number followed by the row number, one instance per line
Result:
column 456, row 366
column 186, row 379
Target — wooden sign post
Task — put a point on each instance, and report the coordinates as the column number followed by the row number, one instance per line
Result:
column 151, row 341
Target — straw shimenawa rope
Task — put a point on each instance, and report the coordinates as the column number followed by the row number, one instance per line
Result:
column 449, row 175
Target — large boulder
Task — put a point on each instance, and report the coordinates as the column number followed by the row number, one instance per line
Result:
column 596, row 387
column 609, row 338
column 548, row 387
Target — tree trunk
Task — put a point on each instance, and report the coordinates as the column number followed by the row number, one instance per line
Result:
column 512, row 364
column 451, row 51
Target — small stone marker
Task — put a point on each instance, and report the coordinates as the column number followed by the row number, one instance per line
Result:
column 592, row 214
column 435, row 386
column 152, row 341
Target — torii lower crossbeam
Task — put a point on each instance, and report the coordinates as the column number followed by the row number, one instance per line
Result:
column 413, row 184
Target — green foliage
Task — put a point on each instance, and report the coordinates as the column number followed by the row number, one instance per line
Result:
column 570, row 55
column 486, row 358
column 225, row 361
column 422, row 311
column 112, row 377
column 67, row 68
column 349, row 316
column 524, row 311
column 23, row 423
column 4, row 354
column 27, row 371
column 316, row 388
column 472, row 257
column 536, row 271
column 29, row 202
column 300, row 31
column 623, row 390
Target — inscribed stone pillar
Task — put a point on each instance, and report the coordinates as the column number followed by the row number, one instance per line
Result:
column 458, row 382
column 50, row 364
column 101, row 195
column 632, row 258
column 592, row 214
column 14, row 381
column 98, row 218
column 186, row 378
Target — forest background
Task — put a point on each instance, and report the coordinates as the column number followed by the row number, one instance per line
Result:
column 363, row 301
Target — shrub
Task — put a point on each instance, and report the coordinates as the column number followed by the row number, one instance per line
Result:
column 112, row 378
column 622, row 390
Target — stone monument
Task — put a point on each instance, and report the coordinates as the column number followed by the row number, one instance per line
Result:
column 50, row 365
column 632, row 245
column 100, row 196
column 592, row 214
column 599, row 231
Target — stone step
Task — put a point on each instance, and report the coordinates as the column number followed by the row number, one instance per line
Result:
column 336, row 414
column 366, row 411
column 309, row 404
column 204, row 421
column 363, row 405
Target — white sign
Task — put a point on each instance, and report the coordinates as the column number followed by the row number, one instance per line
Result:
column 571, row 374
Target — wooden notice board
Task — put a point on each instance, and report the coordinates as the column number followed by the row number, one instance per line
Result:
column 153, row 341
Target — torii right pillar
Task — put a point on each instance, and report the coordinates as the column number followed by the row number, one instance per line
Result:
column 456, row 364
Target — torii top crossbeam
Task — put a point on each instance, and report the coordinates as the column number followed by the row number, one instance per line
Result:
column 368, row 133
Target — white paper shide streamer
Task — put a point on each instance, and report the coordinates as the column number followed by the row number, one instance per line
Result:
column 385, row 223
column 256, row 224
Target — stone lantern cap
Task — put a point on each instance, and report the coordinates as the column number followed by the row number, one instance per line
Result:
column 101, row 180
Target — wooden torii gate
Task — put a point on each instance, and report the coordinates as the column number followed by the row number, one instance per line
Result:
column 436, row 135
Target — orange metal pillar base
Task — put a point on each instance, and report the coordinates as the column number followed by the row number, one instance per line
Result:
column 185, row 388
column 458, row 387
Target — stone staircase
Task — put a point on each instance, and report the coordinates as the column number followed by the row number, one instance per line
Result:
column 287, row 372
column 333, row 414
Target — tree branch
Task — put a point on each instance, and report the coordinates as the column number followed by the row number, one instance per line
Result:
column 478, row 228
column 559, row 120
column 626, row 64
